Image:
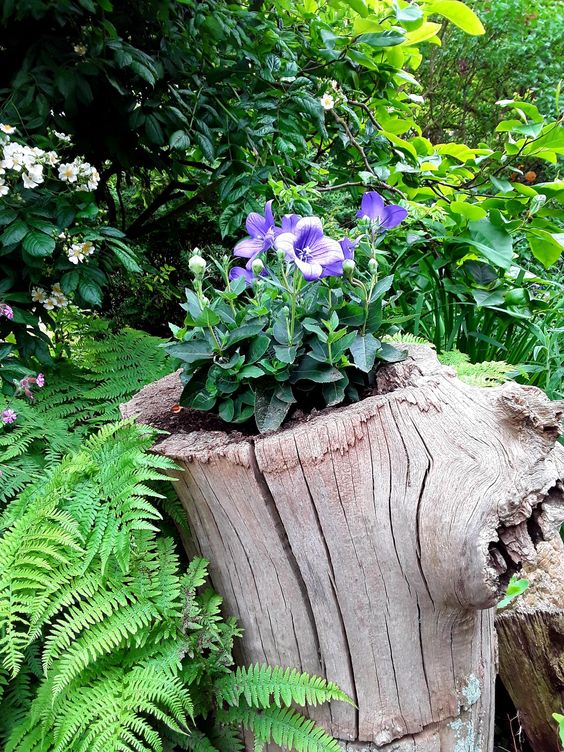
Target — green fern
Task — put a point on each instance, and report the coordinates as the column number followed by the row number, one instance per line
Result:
column 488, row 373
column 284, row 726
column 261, row 685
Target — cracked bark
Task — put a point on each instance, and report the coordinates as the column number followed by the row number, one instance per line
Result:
column 370, row 543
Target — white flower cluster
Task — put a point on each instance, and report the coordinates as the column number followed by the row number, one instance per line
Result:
column 79, row 251
column 56, row 299
column 30, row 161
column 81, row 174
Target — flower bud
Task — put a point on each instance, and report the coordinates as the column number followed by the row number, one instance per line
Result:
column 348, row 267
column 372, row 266
column 197, row 265
column 257, row 266
column 280, row 255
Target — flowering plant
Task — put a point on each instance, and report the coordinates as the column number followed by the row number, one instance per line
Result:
column 297, row 327
column 53, row 247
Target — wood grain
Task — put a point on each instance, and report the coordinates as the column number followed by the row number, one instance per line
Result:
column 370, row 543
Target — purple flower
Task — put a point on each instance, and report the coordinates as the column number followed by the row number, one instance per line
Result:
column 262, row 234
column 6, row 310
column 310, row 250
column 40, row 380
column 336, row 269
column 240, row 271
column 289, row 222
column 9, row 416
column 384, row 217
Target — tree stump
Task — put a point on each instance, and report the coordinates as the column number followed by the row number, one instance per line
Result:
column 369, row 543
column 531, row 647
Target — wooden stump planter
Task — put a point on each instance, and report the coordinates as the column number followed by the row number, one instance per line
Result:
column 370, row 543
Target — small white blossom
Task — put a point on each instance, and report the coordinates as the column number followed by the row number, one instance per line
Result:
column 63, row 137
column 61, row 300
column 38, row 295
column 33, row 177
column 52, row 158
column 4, row 189
column 334, row 85
column 80, row 49
column 327, row 102
column 75, row 253
column 50, row 303
column 88, row 248
column 5, row 128
column 68, row 172
column 57, row 289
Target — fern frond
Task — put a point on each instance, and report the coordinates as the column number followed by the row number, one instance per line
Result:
column 260, row 685
column 284, row 726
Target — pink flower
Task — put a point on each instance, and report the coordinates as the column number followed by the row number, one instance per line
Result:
column 40, row 380
column 6, row 310
column 9, row 416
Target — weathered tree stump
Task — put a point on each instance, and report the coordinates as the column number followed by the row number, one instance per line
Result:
column 531, row 647
column 369, row 543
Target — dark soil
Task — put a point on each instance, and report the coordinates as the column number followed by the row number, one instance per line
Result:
column 508, row 735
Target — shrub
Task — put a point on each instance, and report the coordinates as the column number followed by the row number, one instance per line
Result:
column 54, row 247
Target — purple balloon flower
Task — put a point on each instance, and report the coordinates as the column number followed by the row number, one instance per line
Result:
column 240, row 271
column 289, row 222
column 262, row 234
column 309, row 249
column 384, row 217
column 336, row 269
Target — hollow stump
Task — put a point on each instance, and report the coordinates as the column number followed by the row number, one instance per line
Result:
column 369, row 543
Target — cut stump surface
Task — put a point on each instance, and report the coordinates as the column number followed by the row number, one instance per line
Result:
column 370, row 543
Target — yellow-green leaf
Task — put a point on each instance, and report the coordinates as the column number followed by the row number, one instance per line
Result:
column 424, row 33
column 457, row 13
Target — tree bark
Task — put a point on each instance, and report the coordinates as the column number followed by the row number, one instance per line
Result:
column 531, row 647
column 370, row 543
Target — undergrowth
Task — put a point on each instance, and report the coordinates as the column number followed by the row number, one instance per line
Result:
column 106, row 645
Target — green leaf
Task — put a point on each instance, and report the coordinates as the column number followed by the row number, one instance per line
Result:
column 382, row 39
column 494, row 242
column 312, row 370
column 363, row 350
column 69, row 282
column 14, row 233
column 515, row 588
column 501, row 185
column 125, row 257
column 37, row 243
column 90, row 292
column 179, row 140
column 190, row 352
column 334, row 393
column 459, row 14
column 487, row 299
column 272, row 404
column 545, row 246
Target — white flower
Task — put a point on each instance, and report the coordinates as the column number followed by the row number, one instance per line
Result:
column 75, row 253
column 334, row 85
column 38, row 295
column 7, row 128
column 68, row 172
column 4, row 189
column 13, row 157
column 61, row 301
column 63, row 137
column 327, row 102
column 50, row 303
column 33, row 177
column 52, row 158
column 80, row 49
column 57, row 289
column 87, row 248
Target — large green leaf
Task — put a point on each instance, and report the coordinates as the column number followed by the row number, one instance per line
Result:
column 364, row 350
column 38, row 243
column 14, row 233
column 493, row 242
column 546, row 247
column 271, row 406
column 459, row 14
